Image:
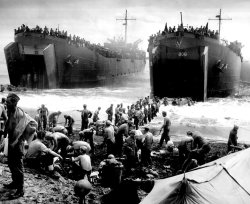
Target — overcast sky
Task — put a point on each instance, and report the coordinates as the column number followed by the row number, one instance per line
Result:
column 95, row 20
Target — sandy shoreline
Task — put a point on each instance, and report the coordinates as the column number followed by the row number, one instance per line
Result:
column 40, row 188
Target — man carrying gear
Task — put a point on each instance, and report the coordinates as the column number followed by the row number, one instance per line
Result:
column 19, row 127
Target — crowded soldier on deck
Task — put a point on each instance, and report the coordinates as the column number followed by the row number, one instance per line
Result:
column 198, row 32
column 130, row 52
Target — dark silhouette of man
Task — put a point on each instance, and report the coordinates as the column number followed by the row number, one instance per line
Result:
column 19, row 127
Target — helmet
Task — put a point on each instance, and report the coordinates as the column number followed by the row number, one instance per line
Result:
column 111, row 156
column 170, row 144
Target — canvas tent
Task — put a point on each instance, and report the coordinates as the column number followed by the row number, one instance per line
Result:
column 223, row 181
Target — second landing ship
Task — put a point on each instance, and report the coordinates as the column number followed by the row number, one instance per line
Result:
column 188, row 62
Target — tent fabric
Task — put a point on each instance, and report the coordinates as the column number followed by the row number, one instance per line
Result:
column 226, row 180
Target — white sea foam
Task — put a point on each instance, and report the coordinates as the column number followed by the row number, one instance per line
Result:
column 215, row 117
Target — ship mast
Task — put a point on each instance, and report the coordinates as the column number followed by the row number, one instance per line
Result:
column 218, row 18
column 181, row 20
column 126, row 23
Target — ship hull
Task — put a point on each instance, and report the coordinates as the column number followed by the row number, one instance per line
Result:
column 187, row 66
column 44, row 62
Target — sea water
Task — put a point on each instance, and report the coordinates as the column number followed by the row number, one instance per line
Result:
column 213, row 118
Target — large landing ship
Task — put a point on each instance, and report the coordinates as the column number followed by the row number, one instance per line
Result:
column 188, row 62
column 45, row 59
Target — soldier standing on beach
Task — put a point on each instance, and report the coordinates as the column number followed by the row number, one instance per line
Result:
column 146, row 147
column 19, row 127
column 117, row 113
column 232, row 139
column 121, row 132
column 165, row 127
column 3, row 102
column 43, row 115
column 85, row 115
column 96, row 115
column 3, row 119
column 69, row 122
column 109, row 137
column 110, row 112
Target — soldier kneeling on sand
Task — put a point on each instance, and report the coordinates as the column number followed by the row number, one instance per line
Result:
column 82, row 164
column 200, row 149
column 39, row 156
column 110, row 171
column 73, row 149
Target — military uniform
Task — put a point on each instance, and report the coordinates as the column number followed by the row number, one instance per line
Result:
column 19, row 127
column 166, row 129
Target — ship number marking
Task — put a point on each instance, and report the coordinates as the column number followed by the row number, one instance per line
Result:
column 178, row 43
column 182, row 54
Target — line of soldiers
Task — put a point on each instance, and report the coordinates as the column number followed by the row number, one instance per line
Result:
column 141, row 112
column 56, row 33
column 198, row 32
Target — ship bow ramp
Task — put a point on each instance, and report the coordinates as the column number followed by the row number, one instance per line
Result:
column 31, row 62
column 179, row 72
